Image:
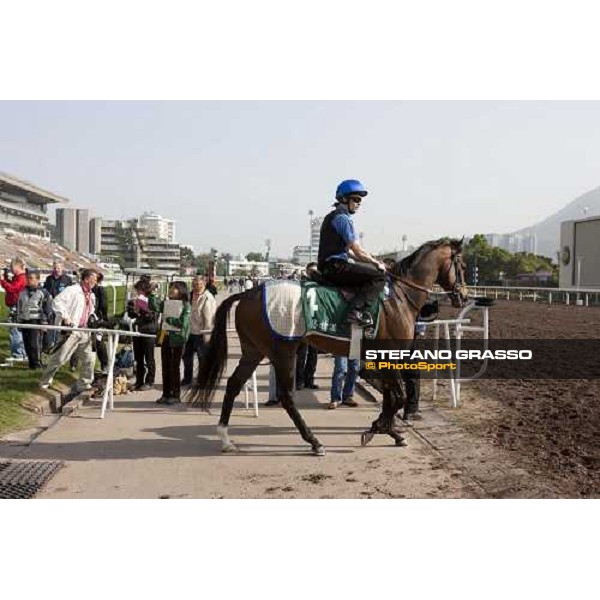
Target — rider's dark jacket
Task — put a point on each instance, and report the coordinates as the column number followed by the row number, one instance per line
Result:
column 335, row 235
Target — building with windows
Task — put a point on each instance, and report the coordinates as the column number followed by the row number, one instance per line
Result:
column 24, row 207
column 302, row 255
column 315, row 237
column 513, row 242
column 134, row 245
column 252, row 268
column 158, row 227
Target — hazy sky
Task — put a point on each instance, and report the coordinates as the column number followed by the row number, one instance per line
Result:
column 235, row 173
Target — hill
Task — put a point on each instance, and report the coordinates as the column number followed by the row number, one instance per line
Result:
column 548, row 230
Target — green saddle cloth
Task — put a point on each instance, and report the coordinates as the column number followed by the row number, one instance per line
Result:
column 325, row 311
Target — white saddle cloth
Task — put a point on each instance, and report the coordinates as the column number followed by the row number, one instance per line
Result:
column 282, row 305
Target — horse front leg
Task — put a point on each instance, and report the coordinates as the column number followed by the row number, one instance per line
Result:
column 393, row 400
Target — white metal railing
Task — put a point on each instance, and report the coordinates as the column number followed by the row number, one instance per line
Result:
column 578, row 296
column 460, row 325
column 113, row 342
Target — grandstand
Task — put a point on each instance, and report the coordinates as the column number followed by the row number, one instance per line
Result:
column 39, row 253
column 24, row 206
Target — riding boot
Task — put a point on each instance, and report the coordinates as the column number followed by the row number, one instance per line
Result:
column 358, row 314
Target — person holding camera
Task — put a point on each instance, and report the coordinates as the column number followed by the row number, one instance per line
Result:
column 14, row 281
column 75, row 305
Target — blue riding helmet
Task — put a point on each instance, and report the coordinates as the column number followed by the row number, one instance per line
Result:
column 350, row 186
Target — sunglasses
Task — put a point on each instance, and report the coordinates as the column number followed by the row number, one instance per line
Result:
column 355, row 199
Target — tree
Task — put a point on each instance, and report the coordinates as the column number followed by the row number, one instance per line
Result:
column 491, row 262
column 187, row 258
column 201, row 262
column 255, row 257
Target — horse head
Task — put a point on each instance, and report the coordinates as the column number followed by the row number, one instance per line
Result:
column 452, row 272
column 438, row 262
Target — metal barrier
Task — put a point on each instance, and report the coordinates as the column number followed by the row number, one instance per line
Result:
column 578, row 296
column 460, row 324
column 113, row 342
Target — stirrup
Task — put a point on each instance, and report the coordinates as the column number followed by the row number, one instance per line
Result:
column 362, row 319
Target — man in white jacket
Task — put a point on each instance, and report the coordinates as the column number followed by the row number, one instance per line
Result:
column 75, row 304
column 202, row 318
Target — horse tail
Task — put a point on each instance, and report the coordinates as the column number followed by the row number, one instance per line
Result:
column 214, row 359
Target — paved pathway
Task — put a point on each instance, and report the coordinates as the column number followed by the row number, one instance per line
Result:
column 143, row 450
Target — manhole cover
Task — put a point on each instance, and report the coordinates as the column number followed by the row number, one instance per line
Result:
column 24, row 479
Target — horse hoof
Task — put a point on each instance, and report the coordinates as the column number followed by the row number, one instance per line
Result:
column 401, row 443
column 366, row 437
column 319, row 451
column 229, row 449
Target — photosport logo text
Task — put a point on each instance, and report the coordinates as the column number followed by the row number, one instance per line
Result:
column 421, row 360
column 490, row 359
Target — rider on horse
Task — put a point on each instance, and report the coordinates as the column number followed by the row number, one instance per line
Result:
column 339, row 242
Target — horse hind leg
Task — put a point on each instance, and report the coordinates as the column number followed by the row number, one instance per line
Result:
column 246, row 366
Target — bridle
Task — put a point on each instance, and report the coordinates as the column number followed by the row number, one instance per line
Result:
column 459, row 281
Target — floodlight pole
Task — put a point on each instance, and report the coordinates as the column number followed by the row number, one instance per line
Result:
column 310, row 250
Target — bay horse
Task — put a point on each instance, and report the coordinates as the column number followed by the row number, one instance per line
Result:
column 436, row 262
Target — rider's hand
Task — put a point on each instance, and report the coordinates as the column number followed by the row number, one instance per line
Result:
column 381, row 266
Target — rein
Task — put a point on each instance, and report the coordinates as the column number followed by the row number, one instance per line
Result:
column 415, row 286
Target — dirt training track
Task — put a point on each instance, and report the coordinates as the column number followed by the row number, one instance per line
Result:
column 510, row 439
column 552, row 425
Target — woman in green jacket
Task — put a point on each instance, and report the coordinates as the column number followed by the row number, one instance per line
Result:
column 172, row 345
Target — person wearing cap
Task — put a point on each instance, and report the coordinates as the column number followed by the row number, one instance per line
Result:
column 343, row 261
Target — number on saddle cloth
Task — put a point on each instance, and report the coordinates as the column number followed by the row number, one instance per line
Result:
column 326, row 308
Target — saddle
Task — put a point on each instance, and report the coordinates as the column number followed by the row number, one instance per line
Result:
column 295, row 309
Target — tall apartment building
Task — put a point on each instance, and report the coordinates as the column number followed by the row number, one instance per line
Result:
column 73, row 229
column 158, row 227
column 83, row 230
column 302, row 255
column 513, row 242
column 66, row 227
column 96, row 236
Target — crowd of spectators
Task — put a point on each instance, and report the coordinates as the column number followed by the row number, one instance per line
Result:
column 75, row 301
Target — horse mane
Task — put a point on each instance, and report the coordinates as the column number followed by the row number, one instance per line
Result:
column 403, row 267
